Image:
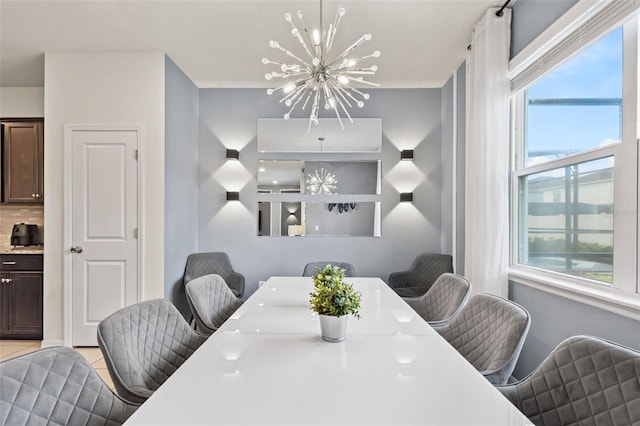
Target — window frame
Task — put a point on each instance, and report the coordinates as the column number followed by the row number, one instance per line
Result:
column 623, row 295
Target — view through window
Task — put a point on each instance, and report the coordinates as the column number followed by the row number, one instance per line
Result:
column 566, row 180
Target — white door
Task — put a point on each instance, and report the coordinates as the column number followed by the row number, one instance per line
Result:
column 104, row 218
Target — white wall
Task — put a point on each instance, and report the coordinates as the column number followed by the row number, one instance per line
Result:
column 21, row 102
column 102, row 88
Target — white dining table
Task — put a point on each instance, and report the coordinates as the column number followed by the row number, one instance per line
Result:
column 268, row 365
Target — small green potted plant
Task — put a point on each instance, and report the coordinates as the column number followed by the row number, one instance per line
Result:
column 333, row 299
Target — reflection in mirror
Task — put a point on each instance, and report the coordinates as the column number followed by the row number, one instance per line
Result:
column 364, row 135
column 282, row 218
column 318, row 177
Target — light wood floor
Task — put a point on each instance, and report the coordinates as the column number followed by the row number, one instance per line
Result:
column 13, row 348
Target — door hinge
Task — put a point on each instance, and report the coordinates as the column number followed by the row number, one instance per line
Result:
column 135, row 233
column 136, row 154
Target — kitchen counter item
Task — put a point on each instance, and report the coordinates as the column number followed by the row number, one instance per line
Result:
column 25, row 234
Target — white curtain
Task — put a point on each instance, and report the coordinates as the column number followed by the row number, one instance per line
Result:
column 487, row 155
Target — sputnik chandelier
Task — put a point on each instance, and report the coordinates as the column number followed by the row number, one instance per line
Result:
column 321, row 81
column 323, row 182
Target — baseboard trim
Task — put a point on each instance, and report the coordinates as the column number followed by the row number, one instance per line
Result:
column 51, row 343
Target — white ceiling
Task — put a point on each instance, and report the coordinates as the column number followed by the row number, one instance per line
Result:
column 220, row 43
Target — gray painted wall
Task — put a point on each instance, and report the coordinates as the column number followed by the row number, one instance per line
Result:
column 410, row 119
column 554, row 318
column 181, row 179
column 446, row 159
column 531, row 17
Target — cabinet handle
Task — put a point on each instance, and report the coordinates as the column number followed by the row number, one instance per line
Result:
column 8, row 263
column 6, row 280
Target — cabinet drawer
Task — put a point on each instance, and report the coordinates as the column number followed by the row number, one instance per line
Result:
column 21, row 262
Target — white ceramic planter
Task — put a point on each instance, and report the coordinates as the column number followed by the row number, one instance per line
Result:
column 333, row 329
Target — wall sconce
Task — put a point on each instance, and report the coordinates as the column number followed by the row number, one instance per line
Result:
column 233, row 196
column 406, row 154
column 233, row 154
column 406, row 196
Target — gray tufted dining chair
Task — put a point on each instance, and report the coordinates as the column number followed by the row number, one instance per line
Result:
column 143, row 345
column 584, row 381
column 200, row 264
column 424, row 271
column 310, row 268
column 57, row 386
column 444, row 300
column 211, row 302
column 489, row 332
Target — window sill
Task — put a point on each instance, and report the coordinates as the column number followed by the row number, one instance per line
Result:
column 607, row 298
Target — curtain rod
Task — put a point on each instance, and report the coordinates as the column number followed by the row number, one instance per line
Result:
column 499, row 13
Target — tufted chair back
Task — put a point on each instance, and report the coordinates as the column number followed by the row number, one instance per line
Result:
column 57, row 386
column 199, row 264
column 444, row 300
column 310, row 268
column 424, row 271
column 584, row 381
column 144, row 344
column 489, row 332
column 211, row 302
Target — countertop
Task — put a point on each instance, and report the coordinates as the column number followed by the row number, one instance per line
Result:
column 9, row 249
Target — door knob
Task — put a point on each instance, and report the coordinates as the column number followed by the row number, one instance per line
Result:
column 76, row 249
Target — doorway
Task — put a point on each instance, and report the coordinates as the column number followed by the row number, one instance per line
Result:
column 101, row 225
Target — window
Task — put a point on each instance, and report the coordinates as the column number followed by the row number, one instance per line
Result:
column 578, row 106
column 573, row 235
column 575, row 169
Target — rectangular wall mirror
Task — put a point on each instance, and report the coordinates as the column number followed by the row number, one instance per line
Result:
column 364, row 135
column 318, row 177
column 282, row 218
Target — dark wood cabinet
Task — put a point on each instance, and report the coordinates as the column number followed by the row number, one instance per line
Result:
column 21, row 296
column 23, row 162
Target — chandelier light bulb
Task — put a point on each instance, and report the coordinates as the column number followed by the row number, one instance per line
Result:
column 322, row 182
column 289, row 87
column 315, row 77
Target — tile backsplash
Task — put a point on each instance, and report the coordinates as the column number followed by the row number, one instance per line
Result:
column 11, row 214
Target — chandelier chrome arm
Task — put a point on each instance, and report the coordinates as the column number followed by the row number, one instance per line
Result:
column 320, row 81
